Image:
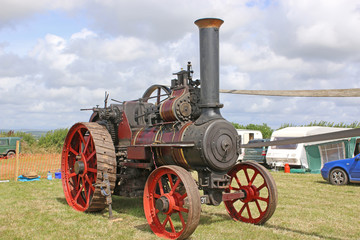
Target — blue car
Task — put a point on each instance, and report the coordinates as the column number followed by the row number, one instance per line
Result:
column 341, row 172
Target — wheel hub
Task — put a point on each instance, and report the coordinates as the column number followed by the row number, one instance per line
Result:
column 162, row 204
column 79, row 167
column 338, row 177
column 251, row 193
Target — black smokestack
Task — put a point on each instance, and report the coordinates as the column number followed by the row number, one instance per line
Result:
column 209, row 68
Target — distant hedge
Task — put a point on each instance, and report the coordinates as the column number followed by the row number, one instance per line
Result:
column 355, row 124
column 264, row 128
column 52, row 141
column 267, row 131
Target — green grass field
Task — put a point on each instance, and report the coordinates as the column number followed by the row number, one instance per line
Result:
column 308, row 208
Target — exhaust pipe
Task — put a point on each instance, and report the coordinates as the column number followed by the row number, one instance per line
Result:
column 209, row 69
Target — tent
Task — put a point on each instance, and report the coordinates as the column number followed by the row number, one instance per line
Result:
column 318, row 154
column 309, row 156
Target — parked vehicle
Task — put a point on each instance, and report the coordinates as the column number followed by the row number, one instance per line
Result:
column 307, row 155
column 245, row 136
column 341, row 172
column 256, row 154
column 8, row 146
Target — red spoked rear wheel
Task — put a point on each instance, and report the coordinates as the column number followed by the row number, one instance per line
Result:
column 88, row 152
column 172, row 202
column 260, row 200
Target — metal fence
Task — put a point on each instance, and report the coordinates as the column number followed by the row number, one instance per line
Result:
column 11, row 168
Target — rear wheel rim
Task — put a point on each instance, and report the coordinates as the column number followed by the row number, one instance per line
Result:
column 82, row 167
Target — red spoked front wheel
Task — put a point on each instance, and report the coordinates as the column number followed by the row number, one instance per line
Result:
column 259, row 193
column 88, row 152
column 172, row 202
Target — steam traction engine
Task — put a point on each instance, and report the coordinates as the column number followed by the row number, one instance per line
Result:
column 148, row 146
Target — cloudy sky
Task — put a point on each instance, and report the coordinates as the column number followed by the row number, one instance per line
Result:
column 58, row 56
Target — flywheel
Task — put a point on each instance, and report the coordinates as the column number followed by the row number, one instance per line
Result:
column 87, row 154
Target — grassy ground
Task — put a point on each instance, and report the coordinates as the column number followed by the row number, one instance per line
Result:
column 308, row 208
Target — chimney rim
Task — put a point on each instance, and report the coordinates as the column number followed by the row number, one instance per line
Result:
column 209, row 22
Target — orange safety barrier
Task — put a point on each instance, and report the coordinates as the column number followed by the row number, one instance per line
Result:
column 39, row 163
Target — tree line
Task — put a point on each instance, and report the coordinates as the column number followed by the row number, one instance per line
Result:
column 53, row 140
column 267, row 131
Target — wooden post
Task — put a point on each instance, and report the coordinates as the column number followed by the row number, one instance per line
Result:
column 17, row 160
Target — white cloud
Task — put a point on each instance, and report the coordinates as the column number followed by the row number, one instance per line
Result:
column 10, row 83
column 321, row 35
column 83, row 34
column 126, row 46
column 52, row 51
column 117, row 49
column 330, row 32
column 13, row 11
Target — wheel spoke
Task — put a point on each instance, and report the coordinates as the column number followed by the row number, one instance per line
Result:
column 258, row 206
column 172, row 225
column 248, row 210
column 247, row 176
column 180, row 209
column 261, row 187
column 87, row 142
column 93, row 170
column 170, row 180
column 253, row 178
column 237, row 180
column 90, row 156
column 182, row 220
column 90, row 183
column 85, row 189
column 78, row 180
column 262, row 199
column 82, row 140
column 183, row 196
column 88, row 198
column 71, row 183
column 71, row 174
column 161, row 187
column 165, row 221
column 78, row 193
column 73, row 151
column 175, row 186
column 242, row 209
column 79, row 142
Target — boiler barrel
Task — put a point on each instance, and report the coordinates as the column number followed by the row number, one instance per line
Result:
column 215, row 145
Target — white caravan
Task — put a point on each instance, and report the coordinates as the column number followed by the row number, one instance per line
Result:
column 293, row 154
column 246, row 135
